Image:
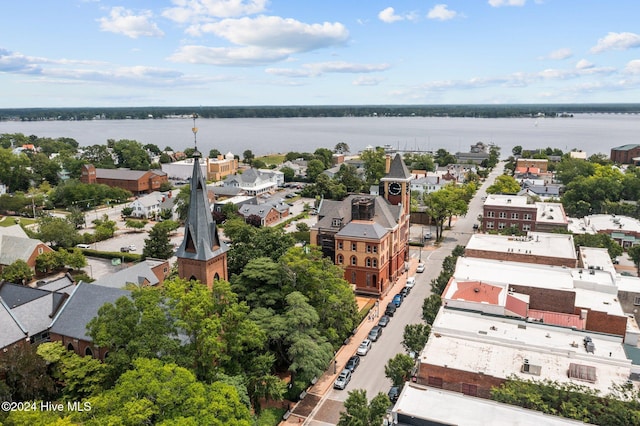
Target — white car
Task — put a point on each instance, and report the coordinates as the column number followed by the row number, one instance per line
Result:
column 411, row 281
column 364, row 347
column 420, row 268
column 343, row 379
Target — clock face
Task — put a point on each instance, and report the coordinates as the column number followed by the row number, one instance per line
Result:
column 395, row 188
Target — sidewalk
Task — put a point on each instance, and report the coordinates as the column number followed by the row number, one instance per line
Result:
column 317, row 392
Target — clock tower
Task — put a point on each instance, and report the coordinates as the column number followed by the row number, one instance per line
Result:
column 396, row 184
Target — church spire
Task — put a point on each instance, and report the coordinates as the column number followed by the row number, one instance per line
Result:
column 201, row 242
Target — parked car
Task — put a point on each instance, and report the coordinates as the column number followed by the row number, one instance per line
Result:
column 405, row 292
column 343, row 379
column 127, row 249
column 427, row 236
column 420, row 268
column 383, row 321
column 364, row 347
column 375, row 333
column 411, row 281
column 475, row 226
column 83, row 246
column 393, row 393
column 353, row 363
column 397, row 300
column 391, row 309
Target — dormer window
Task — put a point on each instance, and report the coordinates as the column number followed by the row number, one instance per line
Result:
column 336, row 221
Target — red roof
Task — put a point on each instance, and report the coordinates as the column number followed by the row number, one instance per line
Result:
column 476, row 291
column 557, row 318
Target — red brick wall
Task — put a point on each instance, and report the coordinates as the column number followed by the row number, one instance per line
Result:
column 605, row 323
column 545, row 299
column 79, row 346
column 453, row 379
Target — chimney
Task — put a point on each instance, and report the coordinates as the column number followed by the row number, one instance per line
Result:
column 387, row 164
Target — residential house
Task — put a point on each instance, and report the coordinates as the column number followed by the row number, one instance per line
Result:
column 15, row 245
column 267, row 212
column 253, row 182
column 150, row 205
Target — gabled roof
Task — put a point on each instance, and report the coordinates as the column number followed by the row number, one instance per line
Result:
column 627, row 147
column 16, row 248
column 385, row 214
column 12, row 330
column 201, row 241
column 81, row 307
column 120, row 174
column 139, row 274
column 397, row 170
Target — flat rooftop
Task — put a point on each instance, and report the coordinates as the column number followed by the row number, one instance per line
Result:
column 537, row 243
column 551, row 213
column 508, row 200
column 596, row 258
column 595, row 289
column 601, row 222
column 498, row 346
column 445, row 407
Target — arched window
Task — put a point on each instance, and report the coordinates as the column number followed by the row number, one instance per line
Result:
column 70, row 347
column 340, row 259
column 368, row 262
column 216, row 277
column 375, row 263
column 354, row 261
column 88, row 352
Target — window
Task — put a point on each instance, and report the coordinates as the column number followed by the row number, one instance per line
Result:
column 491, row 214
column 336, row 222
column 368, row 279
column 502, row 215
column 368, row 248
column 368, row 262
column 526, row 227
column 636, row 300
column 354, row 261
column 489, row 225
column 340, row 259
column 514, row 215
column 88, row 352
column 339, row 245
column 501, row 225
column 40, row 250
column 375, row 263
column 526, row 216
column 354, row 246
column 468, row 389
column 375, row 249
column 436, row 382
column 353, row 277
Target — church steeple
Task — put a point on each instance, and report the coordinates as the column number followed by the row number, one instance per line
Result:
column 202, row 255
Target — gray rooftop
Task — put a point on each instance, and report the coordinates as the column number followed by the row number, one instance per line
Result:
column 138, row 275
column 81, row 307
column 124, row 174
column 397, row 170
column 386, row 214
column 16, row 248
column 12, row 330
column 360, row 229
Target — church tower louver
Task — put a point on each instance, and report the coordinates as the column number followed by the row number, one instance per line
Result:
column 202, row 255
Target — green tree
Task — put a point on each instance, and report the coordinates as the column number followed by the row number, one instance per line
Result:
column 17, row 272
column 348, row 176
column 74, row 259
column 289, row 173
column 341, row 148
column 158, row 245
column 314, row 168
column 374, row 164
column 213, row 153
column 444, row 158
column 157, row 393
column 325, row 155
column 50, row 261
column 248, row 156
column 79, row 376
column 504, row 184
column 136, row 225
column 415, row 337
column 398, row 369
column 131, row 154
column 430, row 307
column 634, row 255
column 516, row 150
column 24, row 375
column 99, row 156
column 598, row 240
column 76, row 217
column 360, row 412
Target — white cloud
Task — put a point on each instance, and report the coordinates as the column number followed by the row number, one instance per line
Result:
column 123, row 21
column 583, row 64
column 500, row 3
column 441, row 12
column 234, row 56
column 633, row 67
column 616, row 41
column 389, row 16
column 274, row 32
column 204, row 10
column 320, row 68
column 560, row 54
column 367, row 81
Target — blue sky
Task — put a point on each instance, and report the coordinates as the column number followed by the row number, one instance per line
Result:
column 67, row 53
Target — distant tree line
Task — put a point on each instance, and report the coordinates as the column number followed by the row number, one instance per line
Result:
column 481, row 111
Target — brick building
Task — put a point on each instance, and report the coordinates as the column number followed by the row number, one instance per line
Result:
column 368, row 235
column 136, row 181
column 505, row 211
column 626, row 154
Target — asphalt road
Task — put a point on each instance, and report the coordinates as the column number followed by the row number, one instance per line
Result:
column 370, row 374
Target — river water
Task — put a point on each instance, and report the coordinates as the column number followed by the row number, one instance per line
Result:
column 592, row 133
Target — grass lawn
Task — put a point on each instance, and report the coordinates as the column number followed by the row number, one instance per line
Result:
column 276, row 159
column 11, row 220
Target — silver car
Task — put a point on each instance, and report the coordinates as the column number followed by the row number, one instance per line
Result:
column 343, row 379
column 364, row 347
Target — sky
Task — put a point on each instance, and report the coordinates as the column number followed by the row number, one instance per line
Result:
column 115, row 53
